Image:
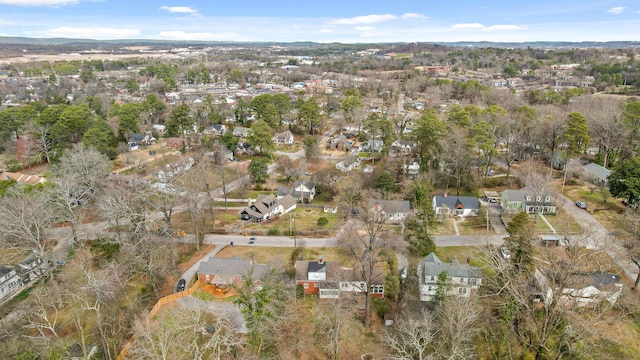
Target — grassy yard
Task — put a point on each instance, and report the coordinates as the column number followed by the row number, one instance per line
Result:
column 278, row 256
column 306, row 223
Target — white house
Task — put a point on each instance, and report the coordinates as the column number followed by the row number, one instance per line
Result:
column 267, row 206
column 283, row 138
column 413, row 169
column 461, row 279
column 241, row 132
column 348, row 164
column 455, row 205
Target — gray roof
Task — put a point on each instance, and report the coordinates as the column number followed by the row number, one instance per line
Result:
column 232, row 267
column 433, row 266
column 396, row 206
column 514, row 195
column 457, row 202
column 597, row 170
column 287, row 201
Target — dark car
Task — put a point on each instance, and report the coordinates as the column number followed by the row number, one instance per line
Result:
column 581, row 204
column 182, row 284
column 252, row 240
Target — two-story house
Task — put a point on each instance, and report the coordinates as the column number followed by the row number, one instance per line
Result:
column 461, row 279
column 529, row 200
column 329, row 280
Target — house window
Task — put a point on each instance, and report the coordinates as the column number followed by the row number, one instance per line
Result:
column 430, row 288
column 315, row 284
column 547, row 198
column 306, row 285
column 538, row 198
column 528, row 198
column 377, row 289
column 207, row 277
column 433, row 278
column 462, row 290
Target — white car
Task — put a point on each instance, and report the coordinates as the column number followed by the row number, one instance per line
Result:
column 506, row 254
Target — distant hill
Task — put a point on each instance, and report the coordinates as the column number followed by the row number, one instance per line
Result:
column 8, row 40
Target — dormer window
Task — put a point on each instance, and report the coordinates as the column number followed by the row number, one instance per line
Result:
column 538, row 198
column 528, row 198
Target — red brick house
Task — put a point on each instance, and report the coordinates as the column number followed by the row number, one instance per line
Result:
column 328, row 279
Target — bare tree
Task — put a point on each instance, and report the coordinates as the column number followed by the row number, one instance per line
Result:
column 413, row 338
column 365, row 240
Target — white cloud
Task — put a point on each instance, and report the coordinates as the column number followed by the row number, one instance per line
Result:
column 616, row 10
column 179, row 9
column 366, row 19
column 92, row 33
column 478, row 26
column 38, row 2
column 326, row 31
column 411, row 16
column 5, row 22
column 365, row 28
column 637, row 12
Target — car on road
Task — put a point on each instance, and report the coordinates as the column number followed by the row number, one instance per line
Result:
column 506, row 254
column 182, row 284
column 252, row 240
column 581, row 204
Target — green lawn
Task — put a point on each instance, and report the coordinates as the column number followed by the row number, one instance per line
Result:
column 306, row 223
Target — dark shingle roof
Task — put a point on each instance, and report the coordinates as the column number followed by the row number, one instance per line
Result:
column 457, row 202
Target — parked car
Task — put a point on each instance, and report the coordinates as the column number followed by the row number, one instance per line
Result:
column 581, row 204
column 506, row 254
column 182, row 284
column 252, row 240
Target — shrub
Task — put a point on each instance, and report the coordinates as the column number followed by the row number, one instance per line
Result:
column 273, row 231
column 322, row 221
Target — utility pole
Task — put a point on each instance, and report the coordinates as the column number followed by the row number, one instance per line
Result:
column 487, row 216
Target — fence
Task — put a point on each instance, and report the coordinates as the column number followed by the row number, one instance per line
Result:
column 161, row 304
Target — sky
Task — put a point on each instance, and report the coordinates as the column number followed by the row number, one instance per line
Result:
column 347, row 21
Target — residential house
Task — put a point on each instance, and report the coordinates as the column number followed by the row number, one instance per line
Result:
column 304, row 190
column 176, row 143
column 455, row 205
column 329, row 280
column 283, row 138
column 372, row 146
column 268, row 206
column 412, row 169
column 599, row 173
column 389, row 210
column 220, row 154
column 340, row 143
column 241, row 132
column 10, row 281
column 401, row 146
column 526, row 199
column 225, row 273
column 348, row 164
column 461, row 280
column 215, row 130
column 583, row 289
column 243, row 148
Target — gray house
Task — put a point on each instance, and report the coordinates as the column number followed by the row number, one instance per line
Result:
column 527, row 199
column 461, row 278
column 600, row 173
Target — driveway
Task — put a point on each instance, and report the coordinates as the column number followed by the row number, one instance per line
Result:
column 600, row 237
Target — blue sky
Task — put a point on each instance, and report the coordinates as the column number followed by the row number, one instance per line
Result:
column 325, row 20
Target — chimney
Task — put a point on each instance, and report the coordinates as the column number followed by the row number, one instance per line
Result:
column 320, row 261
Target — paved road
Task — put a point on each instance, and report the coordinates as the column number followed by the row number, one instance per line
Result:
column 599, row 236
